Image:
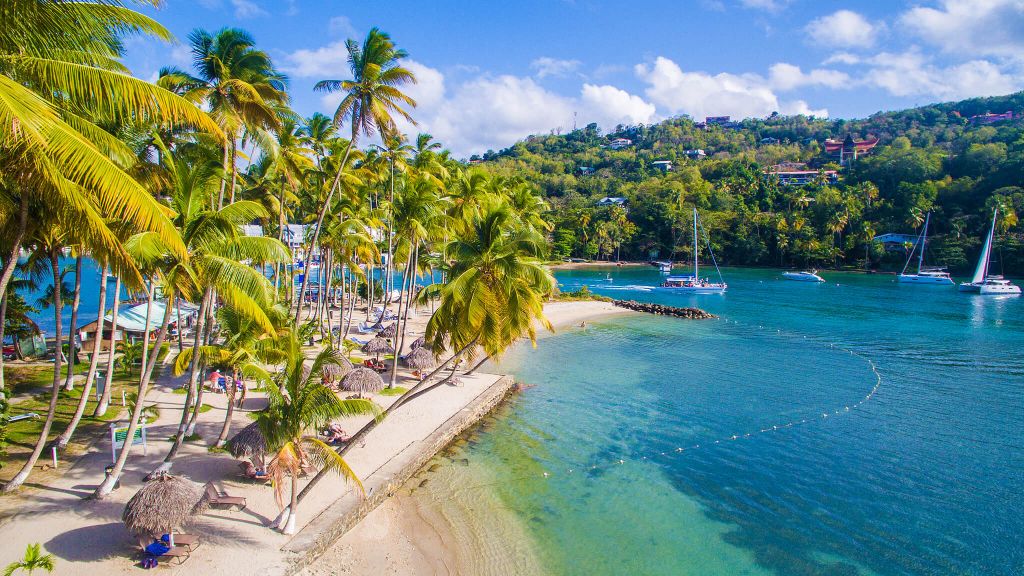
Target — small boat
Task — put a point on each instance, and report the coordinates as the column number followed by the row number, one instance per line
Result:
column 608, row 278
column 803, row 276
column 983, row 283
column 933, row 275
column 693, row 283
column 664, row 267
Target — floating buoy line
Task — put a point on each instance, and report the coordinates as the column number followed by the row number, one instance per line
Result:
column 710, row 443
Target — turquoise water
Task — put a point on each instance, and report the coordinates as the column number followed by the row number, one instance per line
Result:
column 862, row 427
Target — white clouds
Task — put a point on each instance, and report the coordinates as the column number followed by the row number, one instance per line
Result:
column 769, row 5
column 912, row 74
column 608, row 106
column 701, row 94
column 785, row 76
column 547, row 66
column 843, row 28
column 972, row 27
column 247, row 9
column 328, row 61
column 341, row 26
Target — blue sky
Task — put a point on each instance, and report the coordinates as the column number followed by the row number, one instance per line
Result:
column 494, row 72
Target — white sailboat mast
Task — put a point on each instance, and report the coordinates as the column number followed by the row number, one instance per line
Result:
column 923, row 242
column 981, row 272
column 696, row 270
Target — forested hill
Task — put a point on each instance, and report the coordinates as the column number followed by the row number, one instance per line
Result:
column 934, row 159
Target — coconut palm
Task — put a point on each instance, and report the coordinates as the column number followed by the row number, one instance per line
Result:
column 53, row 53
column 372, row 95
column 299, row 406
column 239, row 85
column 33, row 560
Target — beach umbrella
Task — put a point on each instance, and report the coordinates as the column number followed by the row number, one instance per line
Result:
column 161, row 505
column 336, row 371
column 418, row 343
column 249, row 443
column 376, row 346
column 390, row 332
column 420, row 359
column 362, row 380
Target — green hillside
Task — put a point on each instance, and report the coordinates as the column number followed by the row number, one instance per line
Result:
column 931, row 158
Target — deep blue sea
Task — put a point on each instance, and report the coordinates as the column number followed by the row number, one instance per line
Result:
column 847, row 428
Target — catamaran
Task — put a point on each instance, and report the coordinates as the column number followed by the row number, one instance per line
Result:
column 803, row 276
column 933, row 275
column 693, row 283
column 981, row 282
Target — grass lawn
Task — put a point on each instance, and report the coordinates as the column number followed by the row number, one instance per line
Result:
column 31, row 385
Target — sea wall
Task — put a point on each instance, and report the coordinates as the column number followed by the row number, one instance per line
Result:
column 340, row 517
column 649, row 308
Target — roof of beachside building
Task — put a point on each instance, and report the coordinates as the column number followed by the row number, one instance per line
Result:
column 295, row 233
column 835, row 146
column 133, row 318
column 892, row 238
column 252, row 229
column 610, row 200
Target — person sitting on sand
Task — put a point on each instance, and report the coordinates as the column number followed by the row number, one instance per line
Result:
column 335, row 435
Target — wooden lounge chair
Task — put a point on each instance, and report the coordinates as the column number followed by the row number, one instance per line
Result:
column 217, row 498
column 179, row 553
column 188, row 541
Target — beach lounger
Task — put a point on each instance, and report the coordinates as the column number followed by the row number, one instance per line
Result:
column 187, row 541
column 20, row 417
column 217, row 498
column 179, row 553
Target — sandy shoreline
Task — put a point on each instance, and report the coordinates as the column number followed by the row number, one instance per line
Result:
column 431, row 533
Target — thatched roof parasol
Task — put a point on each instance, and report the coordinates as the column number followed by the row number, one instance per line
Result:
column 335, row 371
column 163, row 504
column 420, row 359
column 418, row 343
column 376, row 346
column 249, row 443
column 390, row 332
column 362, row 380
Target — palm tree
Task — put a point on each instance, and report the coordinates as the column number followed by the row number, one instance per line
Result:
column 33, row 560
column 299, row 406
column 239, row 85
column 371, row 97
column 52, row 53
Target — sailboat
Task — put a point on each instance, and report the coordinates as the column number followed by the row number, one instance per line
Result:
column 694, row 284
column 981, row 282
column 924, row 275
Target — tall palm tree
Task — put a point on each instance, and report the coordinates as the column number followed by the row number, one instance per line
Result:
column 53, row 53
column 239, row 85
column 372, row 95
column 299, row 406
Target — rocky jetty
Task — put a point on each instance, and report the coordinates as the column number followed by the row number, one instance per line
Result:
column 649, row 308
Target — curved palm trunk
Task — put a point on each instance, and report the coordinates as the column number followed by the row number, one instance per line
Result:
column 193, row 376
column 320, row 221
column 37, row 450
column 406, row 275
column 97, row 347
column 145, row 333
column 108, row 484
column 69, row 382
column 3, row 321
column 224, row 166
column 413, row 392
column 222, row 439
column 12, row 256
column 104, row 403
column 289, row 527
column 190, row 429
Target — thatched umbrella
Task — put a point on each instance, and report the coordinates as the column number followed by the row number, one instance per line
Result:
column 163, row 504
column 418, row 343
column 361, row 380
column 376, row 346
column 390, row 332
column 335, row 371
column 420, row 359
column 249, row 443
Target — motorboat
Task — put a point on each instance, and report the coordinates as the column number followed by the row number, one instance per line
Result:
column 803, row 276
column 983, row 283
column 693, row 283
column 664, row 267
column 934, row 275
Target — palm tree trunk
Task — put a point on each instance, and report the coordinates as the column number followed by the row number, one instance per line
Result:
column 181, row 327
column 234, row 170
column 224, row 167
column 3, row 320
column 145, row 333
column 398, row 349
column 229, row 391
column 97, row 347
column 23, row 474
column 289, row 527
column 108, row 484
column 12, row 257
column 190, row 429
column 354, row 440
column 352, row 294
column 320, row 221
column 193, row 375
column 69, row 382
column 108, row 379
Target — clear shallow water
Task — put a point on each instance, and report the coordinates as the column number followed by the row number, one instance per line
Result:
column 923, row 477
